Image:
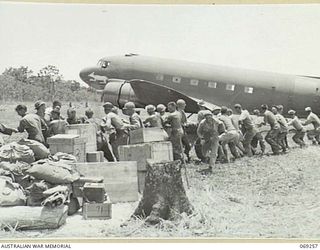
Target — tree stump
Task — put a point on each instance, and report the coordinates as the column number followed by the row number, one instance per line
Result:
column 164, row 195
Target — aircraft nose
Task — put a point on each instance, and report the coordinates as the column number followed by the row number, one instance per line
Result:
column 84, row 74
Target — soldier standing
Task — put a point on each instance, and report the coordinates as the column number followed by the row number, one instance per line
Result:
column 113, row 125
column 181, row 105
column 154, row 119
column 134, row 118
column 300, row 131
column 174, row 121
column 283, row 131
column 248, row 127
column 313, row 119
column 272, row 135
column 230, row 136
column 209, row 135
column 258, row 138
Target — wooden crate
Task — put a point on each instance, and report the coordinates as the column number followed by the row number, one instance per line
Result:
column 101, row 211
column 120, row 178
column 86, row 131
column 143, row 135
column 70, row 144
column 77, row 186
column 96, row 156
column 157, row 151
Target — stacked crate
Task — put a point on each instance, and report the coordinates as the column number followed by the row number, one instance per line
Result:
column 70, row 144
column 88, row 133
column 146, row 143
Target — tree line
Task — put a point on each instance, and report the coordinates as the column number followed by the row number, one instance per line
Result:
column 22, row 84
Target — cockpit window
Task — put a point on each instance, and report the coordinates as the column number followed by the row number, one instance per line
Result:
column 103, row 64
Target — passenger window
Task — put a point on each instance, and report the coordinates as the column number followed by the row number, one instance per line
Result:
column 194, row 82
column 212, row 85
column 248, row 90
column 159, row 77
column 176, row 79
column 230, row 87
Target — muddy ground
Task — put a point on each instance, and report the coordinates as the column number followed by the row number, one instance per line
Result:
column 258, row 197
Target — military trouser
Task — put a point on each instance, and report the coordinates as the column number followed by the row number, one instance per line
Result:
column 298, row 137
column 247, row 139
column 117, row 139
column 176, row 140
column 272, row 139
column 186, row 145
column 102, row 145
column 282, row 140
column 210, row 149
column 229, row 138
column 314, row 135
column 258, row 138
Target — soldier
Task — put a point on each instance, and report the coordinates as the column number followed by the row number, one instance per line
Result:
column 134, row 118
column 272, row 135
column 30, row 123
column 283, row 131
column 173, row 120
column 40, row 107
column 55, row 105
column 57, row 125
column 230, row 136
column 198, row 145
column 280, row 111
column 113, row 125
column 258, row 138
column 234, row 119
column 72, row 117
column 300, row 131
column 208, row 132
column 153, row 120
column 202, row 110
column 181, row 105
column 248, row 128
column 313, row 119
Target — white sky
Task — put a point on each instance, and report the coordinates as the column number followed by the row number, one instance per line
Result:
column 279, row 38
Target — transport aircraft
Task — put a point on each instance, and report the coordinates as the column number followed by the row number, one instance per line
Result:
column 149, row 80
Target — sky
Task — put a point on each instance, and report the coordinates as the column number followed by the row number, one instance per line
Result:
column 278, row 38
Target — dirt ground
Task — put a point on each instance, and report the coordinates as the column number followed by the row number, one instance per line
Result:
column 258, row 197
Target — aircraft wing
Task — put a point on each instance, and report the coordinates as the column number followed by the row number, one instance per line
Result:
column 153, row 93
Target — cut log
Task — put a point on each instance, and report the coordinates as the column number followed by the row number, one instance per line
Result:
column 24, row 217
column 164, row 195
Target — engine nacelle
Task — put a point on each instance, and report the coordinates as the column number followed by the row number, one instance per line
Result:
column 118, row 92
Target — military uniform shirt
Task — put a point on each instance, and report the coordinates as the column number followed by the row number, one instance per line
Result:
column 296, row 123
column 270, row 118
column 282, row 122
column 32, row 124
column 208, row 130
column 246, row 119
column 314, row 119
column 154, row 121
column 228, row 124
column 135, row 121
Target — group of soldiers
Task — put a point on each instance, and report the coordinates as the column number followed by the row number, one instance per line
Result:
column 219, row 132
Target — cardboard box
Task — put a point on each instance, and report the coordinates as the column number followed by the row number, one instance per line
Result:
column 157, row 151
column 87, row 132
column 101, row 211
column 120, row 178
column 143, row 135
column 67, row 143
column 96, row 156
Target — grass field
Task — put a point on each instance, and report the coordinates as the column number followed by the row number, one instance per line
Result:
column 258, row 197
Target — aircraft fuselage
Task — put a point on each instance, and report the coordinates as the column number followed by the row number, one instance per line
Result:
column 216, row 84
